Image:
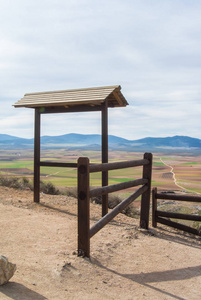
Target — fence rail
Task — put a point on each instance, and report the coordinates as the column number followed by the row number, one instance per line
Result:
column 163, row 217
column 57, row 164
column 178, row 197
column 117, row 187
column 119, row 208
column 118, row 165
column 84, row 194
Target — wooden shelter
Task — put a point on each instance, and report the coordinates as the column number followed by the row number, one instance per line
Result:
column 76, row 100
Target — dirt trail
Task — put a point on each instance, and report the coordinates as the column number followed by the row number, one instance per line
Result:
column 175, row 180
column 125, row 263
column 173, row 175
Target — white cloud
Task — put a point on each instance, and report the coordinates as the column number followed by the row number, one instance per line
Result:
column 151, row 48
column 19, row 124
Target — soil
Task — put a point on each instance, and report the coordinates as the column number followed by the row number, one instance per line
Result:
column 125, row 263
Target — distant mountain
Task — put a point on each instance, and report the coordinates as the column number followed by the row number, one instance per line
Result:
column 171, row 142
column 93, row 142
column 6, row 137
column 80, row 139
column 9, row 140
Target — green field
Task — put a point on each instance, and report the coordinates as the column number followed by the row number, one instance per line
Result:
column 187, row 169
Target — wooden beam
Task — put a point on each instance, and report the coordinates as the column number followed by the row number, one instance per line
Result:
column 168, row 214
column 83, row 207
column 178, row 197
column 117, row 165
column 178, row 226
column 154, row 207
column 57, row 164
column 145, row 202
column 70, row 109
column 37, row 157
column 117, row 187
column 113, row 213
column 104, row 114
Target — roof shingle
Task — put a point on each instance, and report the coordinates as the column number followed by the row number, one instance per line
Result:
column 86, row 96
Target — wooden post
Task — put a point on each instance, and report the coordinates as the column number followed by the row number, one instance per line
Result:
column 104, row 154
column 145, row 202
column 37, row 156
column 83, row 207
column 154, row 207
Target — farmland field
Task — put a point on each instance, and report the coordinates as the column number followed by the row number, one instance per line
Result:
column 187, row 169
column 169, row 173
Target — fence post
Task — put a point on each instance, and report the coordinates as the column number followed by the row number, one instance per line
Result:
column 83, row 207
column 145, row 202
column 104, row 113
column 37, row 156
column 154, row 207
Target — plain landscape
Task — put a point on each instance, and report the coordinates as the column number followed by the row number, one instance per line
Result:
column 126, row 262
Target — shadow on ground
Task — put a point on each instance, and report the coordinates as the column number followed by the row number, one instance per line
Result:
column 148, row 279
column 18, row 291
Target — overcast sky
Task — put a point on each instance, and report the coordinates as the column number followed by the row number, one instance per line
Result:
column 152, row 48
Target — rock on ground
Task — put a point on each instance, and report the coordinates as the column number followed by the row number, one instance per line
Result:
column 7, row 270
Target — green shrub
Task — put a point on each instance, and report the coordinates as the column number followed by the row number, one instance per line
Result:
column 24, row 184
column 131, row 212
column 71, row 192
column 13, row 182
column 197, row 225
column 113, row 200
column 48, row 188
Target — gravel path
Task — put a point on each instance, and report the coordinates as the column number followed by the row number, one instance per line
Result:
column 125, row 263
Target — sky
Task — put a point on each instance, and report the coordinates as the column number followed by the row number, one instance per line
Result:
column 149, row 47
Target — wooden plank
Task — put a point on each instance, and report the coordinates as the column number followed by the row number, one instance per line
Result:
column 37, row 157
column 154, row 207
column 117, row 187
column 104, row 115
column 145, row 202
column 57, row 164
column 118, row 97
column 173, row 215
column 178, row 197
column 178, row 226
column 121, row 206
column 118, row 165
column 73, row 97
column 92, row 89
column 70, row 109
column 83, row 207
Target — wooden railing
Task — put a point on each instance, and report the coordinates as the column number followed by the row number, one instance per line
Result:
column 84, row 195
column 163, row 217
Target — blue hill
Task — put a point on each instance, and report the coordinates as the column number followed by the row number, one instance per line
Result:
column 93, row 141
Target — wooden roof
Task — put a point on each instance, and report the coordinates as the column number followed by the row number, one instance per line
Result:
column 69, row 98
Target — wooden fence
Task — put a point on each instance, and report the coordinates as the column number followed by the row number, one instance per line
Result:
column 84, row 195
column 163, row 217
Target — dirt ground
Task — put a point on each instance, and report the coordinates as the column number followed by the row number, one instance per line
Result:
column 125, row 263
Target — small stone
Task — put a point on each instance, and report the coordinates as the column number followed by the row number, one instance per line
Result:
column 7, row 270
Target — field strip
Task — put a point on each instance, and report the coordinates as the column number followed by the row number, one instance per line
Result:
column 52, row 174
column 174, row 178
